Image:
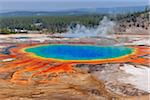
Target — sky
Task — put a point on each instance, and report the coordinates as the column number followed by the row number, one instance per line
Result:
column 59, row 5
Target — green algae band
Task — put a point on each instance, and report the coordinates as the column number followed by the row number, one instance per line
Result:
column 79, row 52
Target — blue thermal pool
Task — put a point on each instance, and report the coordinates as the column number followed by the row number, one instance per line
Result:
column 78, row 52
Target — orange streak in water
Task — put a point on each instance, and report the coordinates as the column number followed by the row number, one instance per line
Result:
column 14, row 65
column 32, row 67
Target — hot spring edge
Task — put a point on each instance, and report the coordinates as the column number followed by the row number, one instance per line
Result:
column 69, row 52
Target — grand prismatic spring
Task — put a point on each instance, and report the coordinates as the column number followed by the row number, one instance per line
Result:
column 54, row 66
column 36, row 58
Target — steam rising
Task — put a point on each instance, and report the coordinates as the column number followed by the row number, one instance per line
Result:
column 105, row 27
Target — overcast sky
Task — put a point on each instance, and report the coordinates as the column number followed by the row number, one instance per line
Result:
column 55, row 5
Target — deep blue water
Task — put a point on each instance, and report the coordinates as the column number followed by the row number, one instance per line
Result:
column 79, row 52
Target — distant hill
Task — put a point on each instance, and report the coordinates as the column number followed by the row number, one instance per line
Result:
column 82, row 11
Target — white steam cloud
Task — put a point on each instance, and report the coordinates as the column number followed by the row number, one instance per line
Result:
column 104, row 28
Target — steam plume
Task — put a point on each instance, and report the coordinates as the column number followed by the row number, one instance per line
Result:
column 105, row 27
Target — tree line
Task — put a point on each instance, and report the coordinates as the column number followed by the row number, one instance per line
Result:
column 56, row 24
column 51, row 23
